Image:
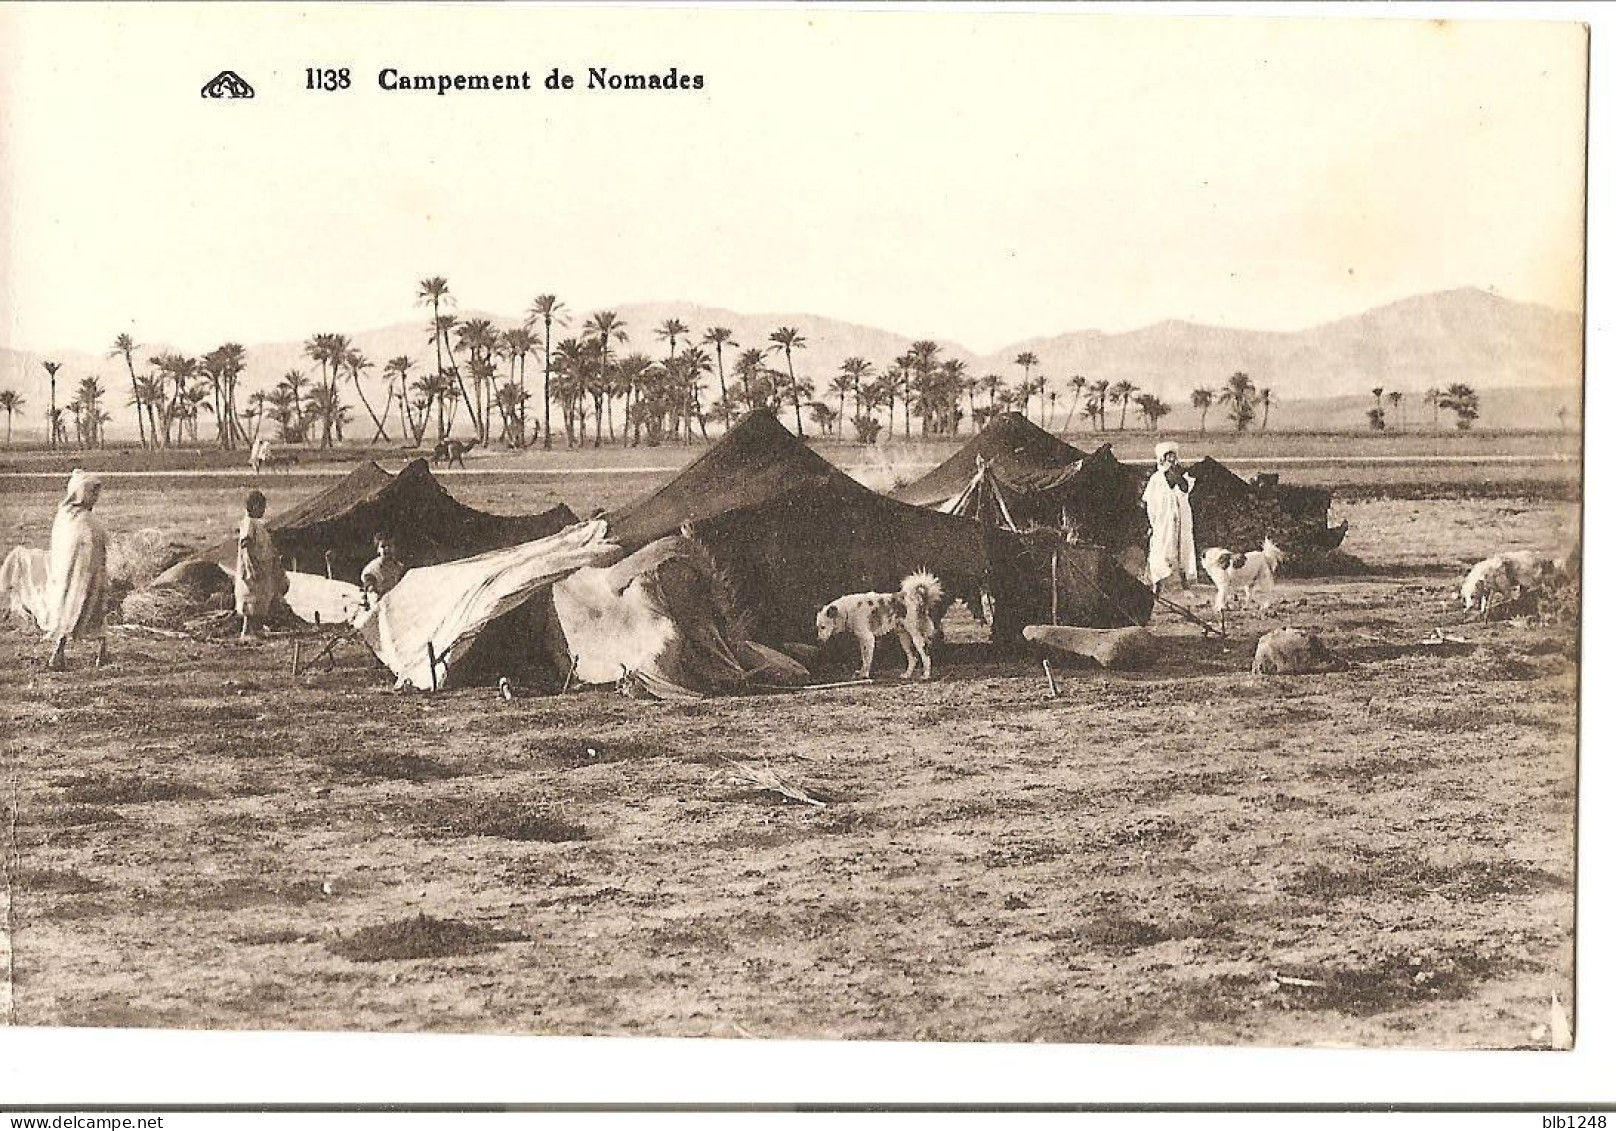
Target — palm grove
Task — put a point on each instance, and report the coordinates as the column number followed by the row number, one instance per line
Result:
column 586, row 387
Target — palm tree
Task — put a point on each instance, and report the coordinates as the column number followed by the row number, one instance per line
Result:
column 717, row 336
column 549, row 310
column 195, row 400
column 786, row 339
column 1238, row 393
column 1121, row 393
column 922, row 358
column 219, row 371
column 606, row 328
column 854, row 371
column 324, row 351
column 1202, row 399
column 55, row 417
column 434, row 291
column 90, row 396
column 570, row 360
column 517, row 343
column 356, row 363
column 180, row 370
column 1077, row 383
column 695, row 362
column 397, row 374
column 1433, row 398
column 1152, row 408
column 151, row 396
column 1393, row 398
column 259, row 402
column 671, row 331
column 991, row 384
column 1094, row 410
column 1026, row 359
column 1100, row 389
column 293, row 381
column 325, row 405
column 1265, row 397
column 477, row 337
column 951, row 382
column 124, row 345
column 12, row 402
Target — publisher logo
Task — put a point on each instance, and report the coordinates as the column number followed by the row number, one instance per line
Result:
column 227, row 84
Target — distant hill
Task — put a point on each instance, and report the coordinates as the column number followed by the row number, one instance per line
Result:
column 1530, row 354
column 1412, row 345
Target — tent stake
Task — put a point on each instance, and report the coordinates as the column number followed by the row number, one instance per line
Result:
column 297, row 657
column 432, row 664
column 1054, row 692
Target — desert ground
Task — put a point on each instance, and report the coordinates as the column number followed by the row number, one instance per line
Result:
column 1382, row 856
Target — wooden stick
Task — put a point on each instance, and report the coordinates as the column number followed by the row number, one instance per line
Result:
column 1054, row 586
column 297, row 657
column 1054, row 692
column 810, row 686
column 432, row 664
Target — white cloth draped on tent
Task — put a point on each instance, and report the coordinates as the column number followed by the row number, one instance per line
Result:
column 447, row 605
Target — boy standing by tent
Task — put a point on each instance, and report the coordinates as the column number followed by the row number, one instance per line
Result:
column 1172, row 525
column 384, row 570
column 260, row 580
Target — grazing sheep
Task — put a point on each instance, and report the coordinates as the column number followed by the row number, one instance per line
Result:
column 1293, row 651
column 1505, row 578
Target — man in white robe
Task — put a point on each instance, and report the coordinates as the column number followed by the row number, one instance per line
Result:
column 76, row 596
column 1172, row 525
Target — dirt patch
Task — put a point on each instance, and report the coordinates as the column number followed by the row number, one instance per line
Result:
column 572, row 753
column 273, row 937
column 54, row 881
column 394, row 766
column 1406, row 875
column 420, row 937
column 73, row 816
column 1385, row 981
column 508, row 820
column 111, row 789
column 1158, row 790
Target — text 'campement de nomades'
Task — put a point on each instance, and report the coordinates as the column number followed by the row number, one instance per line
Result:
column 596, row 78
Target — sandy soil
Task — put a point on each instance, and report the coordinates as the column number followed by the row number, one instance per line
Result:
column 1382, row 856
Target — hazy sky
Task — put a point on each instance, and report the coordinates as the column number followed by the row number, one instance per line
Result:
column 977, row 177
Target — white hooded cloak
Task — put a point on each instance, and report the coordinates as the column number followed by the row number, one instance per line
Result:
column 76, row 595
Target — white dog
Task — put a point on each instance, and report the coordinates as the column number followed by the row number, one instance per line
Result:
column 911, row 612
column 1252, row 574
column 1505, row 577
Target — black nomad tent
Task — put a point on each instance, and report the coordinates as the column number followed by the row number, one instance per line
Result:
column 426, row 523
column 1238, row 514
column 1014, row 446
column 792, row 532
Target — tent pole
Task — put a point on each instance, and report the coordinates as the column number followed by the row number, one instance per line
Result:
column 1054, row 586
column 432, row 664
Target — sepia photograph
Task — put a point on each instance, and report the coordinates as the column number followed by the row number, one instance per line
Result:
column 1045, row 527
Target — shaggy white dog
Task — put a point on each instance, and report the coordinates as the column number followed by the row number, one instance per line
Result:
column 911, row 612
column 1252, row 573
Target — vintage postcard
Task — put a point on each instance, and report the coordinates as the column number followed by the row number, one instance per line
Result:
column 945, row 525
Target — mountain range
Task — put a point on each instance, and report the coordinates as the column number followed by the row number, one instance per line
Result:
column 1468, row 335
